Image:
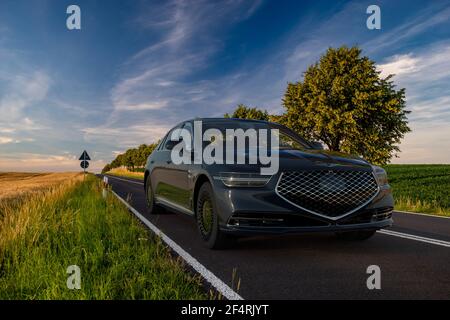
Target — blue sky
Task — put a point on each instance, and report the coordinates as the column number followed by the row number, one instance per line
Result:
column 136, row 68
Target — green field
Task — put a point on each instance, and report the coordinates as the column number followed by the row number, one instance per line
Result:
column 72, row 224
column 421, row 188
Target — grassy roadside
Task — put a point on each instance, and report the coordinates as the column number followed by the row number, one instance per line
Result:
column 421, row 188
column 122, row 172
column 72, row 224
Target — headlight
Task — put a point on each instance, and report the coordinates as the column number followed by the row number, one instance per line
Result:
column 233, row 179
column 380, row 175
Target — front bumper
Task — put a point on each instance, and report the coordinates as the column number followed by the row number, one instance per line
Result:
column 261, row 210
column 253, row 230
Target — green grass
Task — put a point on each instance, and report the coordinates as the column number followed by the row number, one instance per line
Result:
column 126, row 175
column 421, row 188
column 123, row 172
column 73, row 225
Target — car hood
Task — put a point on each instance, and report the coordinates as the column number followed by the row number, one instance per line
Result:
column 290, row 159
column 322, row 157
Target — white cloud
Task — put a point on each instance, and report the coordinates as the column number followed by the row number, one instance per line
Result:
column 425, row 73
column 431, row 63
column 22, row 91
column 5, row 140
column 142, row 106
column 126, row 137
column 400, row 64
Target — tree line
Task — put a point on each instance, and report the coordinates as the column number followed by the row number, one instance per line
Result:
column 133, row 159
column 342, row 101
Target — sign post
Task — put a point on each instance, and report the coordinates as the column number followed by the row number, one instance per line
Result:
column 84, row 161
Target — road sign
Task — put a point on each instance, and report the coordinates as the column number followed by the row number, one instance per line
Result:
column 85, row 156
column 84, row 164
column 84, row 160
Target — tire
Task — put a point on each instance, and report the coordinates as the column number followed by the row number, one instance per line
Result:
column 152, row 207
column 208, row 220
column 356, row 235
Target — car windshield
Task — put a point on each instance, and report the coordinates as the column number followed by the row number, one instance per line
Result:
column 287, row 139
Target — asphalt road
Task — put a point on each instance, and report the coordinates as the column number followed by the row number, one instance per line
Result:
column 317, row 266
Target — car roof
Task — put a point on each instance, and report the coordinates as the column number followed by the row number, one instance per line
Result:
column 206, row 120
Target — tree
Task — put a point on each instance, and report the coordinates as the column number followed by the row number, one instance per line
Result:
column 106, row 168
column 345, row 103
column 132, row 158
column 244, row 112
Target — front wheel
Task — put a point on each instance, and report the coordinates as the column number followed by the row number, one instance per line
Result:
column 359, row 235
column 208, row 220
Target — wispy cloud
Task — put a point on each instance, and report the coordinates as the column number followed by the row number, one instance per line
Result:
column 161, row 78
column 399, row 65
column 432, row 16
column 22, row 91
column 425, row 73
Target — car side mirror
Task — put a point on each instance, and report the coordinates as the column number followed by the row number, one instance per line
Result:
column 316, row 145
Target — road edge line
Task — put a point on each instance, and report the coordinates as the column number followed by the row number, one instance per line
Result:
column 422, row 214
column 210, row 277
column 416, row 238
column 126, row 180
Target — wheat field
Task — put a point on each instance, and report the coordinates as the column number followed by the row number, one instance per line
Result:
column 16, row 184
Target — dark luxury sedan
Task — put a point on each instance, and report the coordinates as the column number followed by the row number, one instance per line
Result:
column 312, row 190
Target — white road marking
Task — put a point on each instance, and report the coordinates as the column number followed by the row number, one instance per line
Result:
column 126, row 180
column 220, row 286
column 416, row 238
column 422, row 214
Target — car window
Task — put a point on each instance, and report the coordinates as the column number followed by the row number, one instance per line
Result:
column 168, row 136
column 287, row 139
column 288, row 142
column 188, row 126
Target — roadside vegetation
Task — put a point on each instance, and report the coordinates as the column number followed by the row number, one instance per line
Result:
column 421, row 188
column 72, row 224
column 133, row 159
column 124, row 172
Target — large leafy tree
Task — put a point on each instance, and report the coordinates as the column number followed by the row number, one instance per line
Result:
column 244, row 112
column 345, row 103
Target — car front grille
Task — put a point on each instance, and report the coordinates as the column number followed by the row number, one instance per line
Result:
column 330, row 193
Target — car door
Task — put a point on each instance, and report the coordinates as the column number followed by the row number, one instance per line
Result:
column 172, row 185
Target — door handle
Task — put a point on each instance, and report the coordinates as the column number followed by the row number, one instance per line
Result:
column 153, row 161
column 169, row 161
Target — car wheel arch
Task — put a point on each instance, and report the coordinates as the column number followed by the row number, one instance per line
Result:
column 201, row 179
column 145, row 179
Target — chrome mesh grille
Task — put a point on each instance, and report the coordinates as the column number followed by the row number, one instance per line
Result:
column 328, row 192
